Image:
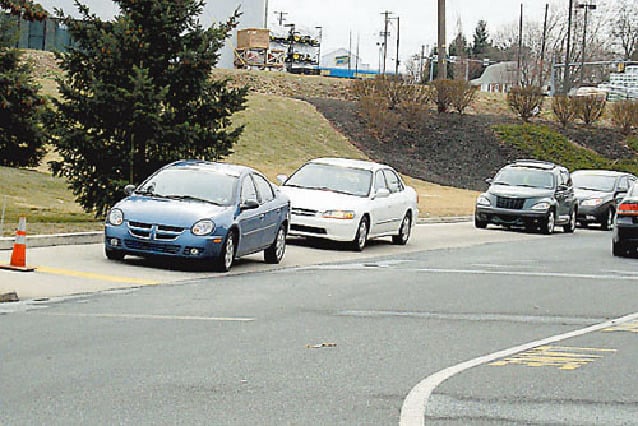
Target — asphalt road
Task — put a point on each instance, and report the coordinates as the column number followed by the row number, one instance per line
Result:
column 510, row 332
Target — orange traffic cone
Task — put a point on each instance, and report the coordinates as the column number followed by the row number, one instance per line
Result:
column 19, row 254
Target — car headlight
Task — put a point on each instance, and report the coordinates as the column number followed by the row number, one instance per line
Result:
column 482, row 200
column 592, row 202
column 116, row 217
column 203, row 227
column 541, row 206
column 338, row 214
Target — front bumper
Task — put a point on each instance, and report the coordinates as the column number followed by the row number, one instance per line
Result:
column 184, row 246
column 509, row 216
column 319, row 227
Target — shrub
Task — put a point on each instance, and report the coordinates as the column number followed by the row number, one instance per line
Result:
column 563, row 109
column 624, row 115
column 462, row 95
column 443, row 93
column 525, row 101
column 589, row 108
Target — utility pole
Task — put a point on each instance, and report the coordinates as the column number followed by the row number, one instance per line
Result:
column 442, row 52
column 266, row 15
column 396, row 69
column 542, row 73
column 566, row 76
column 386, row 20
column 586, row 6
column 421, row 63
column 280, row 16
column 520, row 48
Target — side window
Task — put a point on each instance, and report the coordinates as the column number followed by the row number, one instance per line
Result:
column 394, row 183
column 264, row 189
column 379, row 181
column 623, row 184
column 248, row 192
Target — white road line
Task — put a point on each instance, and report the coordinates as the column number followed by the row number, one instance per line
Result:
column 413, row 409
column 142, row 316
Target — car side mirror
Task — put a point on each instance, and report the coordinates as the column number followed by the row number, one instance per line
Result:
column 282, row 179
column 248, row 205
column 563, row 187
column 489, row 181
column 129, row 189
column 382, row 193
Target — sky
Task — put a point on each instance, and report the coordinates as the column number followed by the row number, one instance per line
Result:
column 364, row 20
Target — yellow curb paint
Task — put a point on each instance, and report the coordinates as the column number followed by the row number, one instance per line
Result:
column 92, row 276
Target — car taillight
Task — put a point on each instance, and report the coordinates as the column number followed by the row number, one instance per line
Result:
column 628, row 209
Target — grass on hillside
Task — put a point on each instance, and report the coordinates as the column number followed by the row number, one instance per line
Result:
column 280, row 135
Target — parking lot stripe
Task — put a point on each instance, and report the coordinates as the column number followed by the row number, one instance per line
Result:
column 413, row 408
column 141, row 316
column 93, row 276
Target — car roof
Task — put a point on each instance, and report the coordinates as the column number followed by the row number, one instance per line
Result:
column 600, row 173
column 534, row 164
column 349, row 162
column 229, row 169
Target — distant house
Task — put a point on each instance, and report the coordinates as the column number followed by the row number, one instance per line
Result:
column 499, row 78
column 338, row 59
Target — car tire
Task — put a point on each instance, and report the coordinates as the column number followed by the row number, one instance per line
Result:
column 608, row 220
column 224, row 262
column 548, row 224
column 114, row 254
column 479, row 223
column 405, row 229
column 618, row 249
column 360, row 238
column 570, row 226
column 276, row 251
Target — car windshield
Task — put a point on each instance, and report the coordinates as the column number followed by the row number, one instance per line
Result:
column 191, row 183
column 594, row 182
column 525, row 177
column 345, row 180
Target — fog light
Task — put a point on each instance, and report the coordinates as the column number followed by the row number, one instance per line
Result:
column 114, row 242
column 194, row 252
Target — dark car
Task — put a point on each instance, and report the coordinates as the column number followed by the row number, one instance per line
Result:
column 211, row 212
column 625, row 235
column 598, row 192
column 529, row 193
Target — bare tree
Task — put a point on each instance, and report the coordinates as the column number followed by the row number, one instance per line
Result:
column 623, row 21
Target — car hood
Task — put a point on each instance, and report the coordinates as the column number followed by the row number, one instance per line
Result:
column 520, row 191
column 170, row 212
column 583, row 194
column 316, row 199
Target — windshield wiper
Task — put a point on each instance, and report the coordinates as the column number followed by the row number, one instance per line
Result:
column 588, row 188
column 189, row 197
column 500, row 182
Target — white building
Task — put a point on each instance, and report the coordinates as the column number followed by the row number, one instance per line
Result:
column 499, row 77
column 624, row 85
column 338, row 59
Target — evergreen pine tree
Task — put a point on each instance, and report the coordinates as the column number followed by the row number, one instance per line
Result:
column 137, row 94
column 21, row 107
column 480, row 38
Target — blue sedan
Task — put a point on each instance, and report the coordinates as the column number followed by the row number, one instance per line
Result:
column 200, row 210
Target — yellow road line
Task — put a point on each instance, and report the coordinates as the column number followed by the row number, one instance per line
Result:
column 93, row 276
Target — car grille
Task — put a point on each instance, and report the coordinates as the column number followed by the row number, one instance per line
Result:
column 308, row 229
column 153, row 247
column 162, row 232
column 303, row 212
column 510, row 203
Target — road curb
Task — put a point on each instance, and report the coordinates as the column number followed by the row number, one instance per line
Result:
column 97, row 237
column 73, row 238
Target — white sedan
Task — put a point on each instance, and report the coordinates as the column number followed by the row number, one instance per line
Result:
column 350, row 200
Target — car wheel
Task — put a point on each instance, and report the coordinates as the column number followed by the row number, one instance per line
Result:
column 225, row 260
column 479, row 223
column 114, row 254
column 570, row 226
column 275, row 252
column 403, row 236
column 548, row 226
column 608, row 220
column 361, row 236
column 618, row 249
